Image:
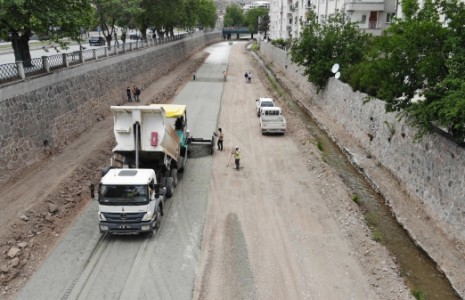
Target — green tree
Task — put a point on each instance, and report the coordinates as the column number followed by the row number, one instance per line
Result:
column 234, row 16
column 407, row 58
column 253, row 17
column 189, row 18
column 162, row 15
column 320, row 46
column 264, row 24
column 54, row 19
column 417, row 67
column 198, row 13
column 112, row 13
column 444, row 101
column 206, row 13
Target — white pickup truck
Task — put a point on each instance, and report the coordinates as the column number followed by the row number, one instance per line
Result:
column 272, row 120
column 263, row 102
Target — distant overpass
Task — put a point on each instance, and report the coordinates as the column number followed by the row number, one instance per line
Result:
column 228, row 31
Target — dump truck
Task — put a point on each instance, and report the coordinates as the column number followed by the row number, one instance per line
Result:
column 151, row 149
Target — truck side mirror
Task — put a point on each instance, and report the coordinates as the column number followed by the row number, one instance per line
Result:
column 92, row 191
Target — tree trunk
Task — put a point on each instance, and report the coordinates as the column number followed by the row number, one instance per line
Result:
column 161, row 33
column 108, row 38
column 21, row 49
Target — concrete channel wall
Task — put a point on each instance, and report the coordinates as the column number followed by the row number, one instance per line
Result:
column 433, row 168
column 40, row 115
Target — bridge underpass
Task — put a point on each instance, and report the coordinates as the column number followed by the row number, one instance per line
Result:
column 229, row 31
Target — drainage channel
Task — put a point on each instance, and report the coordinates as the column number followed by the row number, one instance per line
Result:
column 421, row 274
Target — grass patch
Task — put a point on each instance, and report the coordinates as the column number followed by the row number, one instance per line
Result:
column 255, row 47
column 376, row 235
column 274, row 85
column 356, row 199
column 370, row 219
column 419, row 295
column 319, row 145
column 325, row 158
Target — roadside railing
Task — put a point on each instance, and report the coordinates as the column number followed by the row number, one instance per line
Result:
column 21, row 70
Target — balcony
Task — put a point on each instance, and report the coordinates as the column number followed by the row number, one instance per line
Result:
column 372, row 5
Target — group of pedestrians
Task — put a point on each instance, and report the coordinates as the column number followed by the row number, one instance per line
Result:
column 133, row 93
column 248, row 77
column 236, row 152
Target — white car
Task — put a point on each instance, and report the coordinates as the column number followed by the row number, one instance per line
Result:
column 263, row 102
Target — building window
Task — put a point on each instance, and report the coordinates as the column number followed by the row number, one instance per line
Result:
column 390, row 17
column 364, row 19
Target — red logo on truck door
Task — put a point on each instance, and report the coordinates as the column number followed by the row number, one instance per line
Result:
column 154, row 139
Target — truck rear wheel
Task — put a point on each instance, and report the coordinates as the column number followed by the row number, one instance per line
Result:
column 169, row 187
column 163, row 181
column 174, row 174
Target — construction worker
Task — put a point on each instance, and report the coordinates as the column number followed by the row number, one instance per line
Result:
column 237, row 157
column 220, row 139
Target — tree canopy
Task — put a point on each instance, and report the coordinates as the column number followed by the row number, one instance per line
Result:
column 59, row 19
column 257, row 19
column 53, row 19
column 417, row 67
column 234, row 16
column 320, row 46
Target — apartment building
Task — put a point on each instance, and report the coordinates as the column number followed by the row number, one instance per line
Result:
column 288, row 16
column 256, row 4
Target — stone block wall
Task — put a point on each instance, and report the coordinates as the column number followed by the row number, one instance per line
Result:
column 40, row 115
column 432, row 168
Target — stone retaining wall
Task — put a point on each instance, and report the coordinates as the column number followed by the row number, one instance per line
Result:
column 40, row 115
column 433, row 168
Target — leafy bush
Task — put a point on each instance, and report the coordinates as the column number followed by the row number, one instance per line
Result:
column 281, row 43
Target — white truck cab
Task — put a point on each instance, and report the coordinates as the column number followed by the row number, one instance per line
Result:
column 130, row 201
column 263, row 102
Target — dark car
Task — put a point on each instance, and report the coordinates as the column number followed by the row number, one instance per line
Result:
column 97, row 41
column 135, row 37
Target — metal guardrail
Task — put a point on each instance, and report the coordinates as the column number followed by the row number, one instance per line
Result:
column 46, row 64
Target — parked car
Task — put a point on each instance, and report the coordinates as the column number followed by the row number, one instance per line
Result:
column 135, row 37
column 97, row 41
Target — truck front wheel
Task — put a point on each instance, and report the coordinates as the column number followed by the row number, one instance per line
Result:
column 156, row 224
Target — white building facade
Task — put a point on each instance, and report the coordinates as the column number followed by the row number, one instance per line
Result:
column 288, row 16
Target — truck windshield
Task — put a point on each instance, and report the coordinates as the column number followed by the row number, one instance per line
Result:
column 123, row 194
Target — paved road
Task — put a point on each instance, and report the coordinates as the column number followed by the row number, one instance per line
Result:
column 86, row 265
column 7, row 55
